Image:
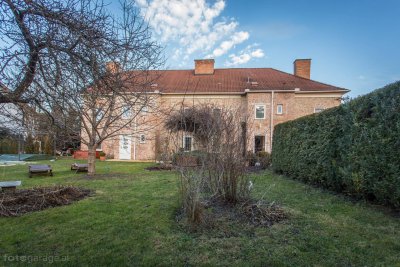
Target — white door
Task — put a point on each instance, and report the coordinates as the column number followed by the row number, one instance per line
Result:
column 125, row 142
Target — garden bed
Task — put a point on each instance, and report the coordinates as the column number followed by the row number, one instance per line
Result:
column 19, row 202
column 221, row 218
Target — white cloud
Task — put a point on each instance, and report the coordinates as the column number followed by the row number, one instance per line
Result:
column 258, row 53
column 225, row 46
column 245, row 56
column 193, row 25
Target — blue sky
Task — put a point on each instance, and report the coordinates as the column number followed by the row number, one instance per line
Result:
column 353, row 44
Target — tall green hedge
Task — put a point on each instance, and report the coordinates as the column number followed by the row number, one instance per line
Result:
column 353, row 148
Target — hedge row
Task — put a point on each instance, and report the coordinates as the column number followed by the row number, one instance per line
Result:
column 353, row 148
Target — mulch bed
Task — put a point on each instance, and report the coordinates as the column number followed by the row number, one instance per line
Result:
column 257, row 213
column 19, row 202
column 221, row 219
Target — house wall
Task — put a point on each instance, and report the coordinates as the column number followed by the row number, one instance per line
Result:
column 295, row 105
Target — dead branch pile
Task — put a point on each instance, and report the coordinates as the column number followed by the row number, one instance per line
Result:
column 24, row 201
column 263, row 214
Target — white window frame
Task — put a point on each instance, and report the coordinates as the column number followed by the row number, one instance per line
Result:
column 184, row 143
column 279, row 112
column 140, row 139
column 255, row 111
column 318, row 108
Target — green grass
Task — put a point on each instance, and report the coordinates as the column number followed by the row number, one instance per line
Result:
column 131, row 221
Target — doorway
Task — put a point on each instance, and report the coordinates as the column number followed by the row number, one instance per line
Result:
column 125, row 147
column 259, row 143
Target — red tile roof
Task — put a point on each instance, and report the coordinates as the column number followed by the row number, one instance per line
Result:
column 235, row 81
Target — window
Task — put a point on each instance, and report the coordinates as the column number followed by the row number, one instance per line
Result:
column 142, row 139
column 279, row 109
column 100, row 115
column 187, row 143
column 260, row 111
column 145, row 110
column 126, row 112
column 318, row 110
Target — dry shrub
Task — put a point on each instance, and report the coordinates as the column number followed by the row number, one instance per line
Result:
column 220, row 138
column 19, row 202
column 190, row 191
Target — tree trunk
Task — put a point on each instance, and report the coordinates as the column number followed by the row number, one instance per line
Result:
column 91, row 160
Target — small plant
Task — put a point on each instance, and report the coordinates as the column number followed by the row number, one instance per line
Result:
column 102, row 155
column 264, row 158
column 251, row 158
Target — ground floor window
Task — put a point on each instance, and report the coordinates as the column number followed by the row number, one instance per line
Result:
column 259, row 143
column 279, row 109
column 187, row 143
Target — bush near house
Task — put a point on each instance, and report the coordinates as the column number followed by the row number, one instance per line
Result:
column 264, row 158
column 353, row 148
column 8, row 145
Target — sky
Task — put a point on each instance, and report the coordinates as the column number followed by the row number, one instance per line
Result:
column 354, row 44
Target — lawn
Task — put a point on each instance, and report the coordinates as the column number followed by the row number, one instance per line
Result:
column 130, row 220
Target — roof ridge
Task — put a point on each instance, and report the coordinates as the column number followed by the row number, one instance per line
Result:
column 232, row 79
column 342, row 88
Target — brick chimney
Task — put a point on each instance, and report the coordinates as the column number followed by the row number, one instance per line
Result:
column 302, row 68
column 112, row 67
column 204, row 66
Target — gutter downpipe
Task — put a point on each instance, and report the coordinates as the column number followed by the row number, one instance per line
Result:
column 271, row 119
column 134, row 139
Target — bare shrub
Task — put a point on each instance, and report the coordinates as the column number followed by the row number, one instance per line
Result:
column 264, row 158
column 190, row 191
column 220, row 138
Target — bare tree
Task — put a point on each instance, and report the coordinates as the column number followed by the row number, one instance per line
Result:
column 55, row 54
column 35, row 33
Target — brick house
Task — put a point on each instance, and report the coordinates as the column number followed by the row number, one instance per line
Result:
column 267, row 96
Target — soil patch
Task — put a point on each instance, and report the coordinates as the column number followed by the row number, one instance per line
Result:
column 18, row 202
